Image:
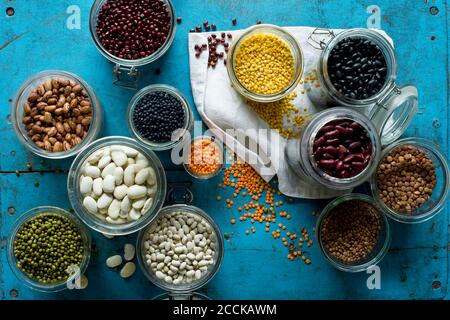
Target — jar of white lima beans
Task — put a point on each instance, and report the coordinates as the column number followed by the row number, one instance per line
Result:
column 181, row 250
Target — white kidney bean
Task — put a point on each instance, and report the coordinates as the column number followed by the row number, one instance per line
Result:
column 114, row 209
column 108, row 170
column 141, row 176
column 129, row 251
column 97, row 187
column 128, row 270
column 118, row 175
column 92, row 172
column 119, row 157
column 86, row 185
column 120, row 192
column 109, row 184
column 114, row 261
column 104, row 161
column 128, row 175
column 136, row 192
column 90, row 204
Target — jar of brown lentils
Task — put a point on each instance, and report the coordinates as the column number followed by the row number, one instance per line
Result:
column 353, row 233
column 412, row 181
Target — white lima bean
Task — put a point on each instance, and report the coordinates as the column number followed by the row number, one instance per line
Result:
column 128, row 270
column 118, row 184
column 178, row 253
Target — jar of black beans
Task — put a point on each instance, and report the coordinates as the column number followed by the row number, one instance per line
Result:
column 156, row 115
column 357, row 67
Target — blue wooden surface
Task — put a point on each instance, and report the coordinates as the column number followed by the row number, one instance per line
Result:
column 36, row 38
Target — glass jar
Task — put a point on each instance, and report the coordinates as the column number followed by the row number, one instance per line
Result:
column 296, row 51
column 440, row 193
column 300, row 155
column 187, row 158
column 130, row 67
column 22, row 276
column 181, row 291
column 76, row 198
column 180, row 136
column 381, row 247
column 22, row 97
column 391, row 109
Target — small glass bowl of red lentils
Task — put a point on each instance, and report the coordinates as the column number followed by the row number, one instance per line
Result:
column 204, row 158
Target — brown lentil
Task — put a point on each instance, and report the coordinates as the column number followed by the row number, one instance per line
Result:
column 351, row 231
column 406, row 179
column 57, row 114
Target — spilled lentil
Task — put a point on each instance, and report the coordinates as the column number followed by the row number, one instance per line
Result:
column 262, row 208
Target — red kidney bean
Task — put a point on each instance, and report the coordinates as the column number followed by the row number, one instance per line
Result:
column 342, row 130
column 332, row 134
column 333, row 142
column 325, row 129
column 358, row 165
column 327, row 164
column 330, row 149
column 344, row 174
column 339, row 165
column 356, row 126
column 318, row 143
column 355, row 145
column 328, row 156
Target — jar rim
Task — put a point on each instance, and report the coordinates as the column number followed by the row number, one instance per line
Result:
column 432, row 148
column 31, row 214
column 388, row 53
column 19, row 128
column 383, row 220
column 307, row 140
column 297, row 54
column 89, row 219
column 97, row 5
column 184, row 208
column 182, row 133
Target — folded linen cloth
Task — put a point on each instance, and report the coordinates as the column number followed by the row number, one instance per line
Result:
column 233, row 121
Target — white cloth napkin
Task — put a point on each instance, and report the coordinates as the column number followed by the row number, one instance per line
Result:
column 222, row 109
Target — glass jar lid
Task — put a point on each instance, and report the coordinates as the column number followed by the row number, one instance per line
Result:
column 394, row 114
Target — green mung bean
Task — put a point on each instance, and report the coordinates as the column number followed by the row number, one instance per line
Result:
column 46, row 246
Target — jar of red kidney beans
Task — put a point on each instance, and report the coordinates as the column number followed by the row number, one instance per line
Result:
column 339, row 149
column 132, row 34
column 358, row 69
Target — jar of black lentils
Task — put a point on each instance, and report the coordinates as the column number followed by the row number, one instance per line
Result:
column 160, row 117
column 131, row 34
column 339, row 149
column 358, row 69
column 49, row 249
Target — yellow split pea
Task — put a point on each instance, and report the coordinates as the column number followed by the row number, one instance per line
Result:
column 264, row 64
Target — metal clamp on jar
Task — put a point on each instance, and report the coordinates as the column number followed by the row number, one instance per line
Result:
column 391, row 108
column 179, row 270
column 126, row 70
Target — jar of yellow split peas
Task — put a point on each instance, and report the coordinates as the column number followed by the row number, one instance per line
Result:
column 265, row 63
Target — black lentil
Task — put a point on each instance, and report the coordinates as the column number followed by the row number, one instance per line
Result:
column 357, row 68
column 46, row 246
column 157, row 115
column 133, row 29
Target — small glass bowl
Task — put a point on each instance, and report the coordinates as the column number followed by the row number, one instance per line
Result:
column 440, row 193
column 76, row 198
column 183, row 288
column 380, row 249
column 187, row 158
column 22, row 97
column 180, row 135
column 297, row 55
column 306, row 154
column 22, row 276
column 95, row 10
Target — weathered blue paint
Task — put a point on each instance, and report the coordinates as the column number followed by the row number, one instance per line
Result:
column 36, row 38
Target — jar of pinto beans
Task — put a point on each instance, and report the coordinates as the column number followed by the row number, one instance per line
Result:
column 358, row 69
column 339, row 149
column 132, row 34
